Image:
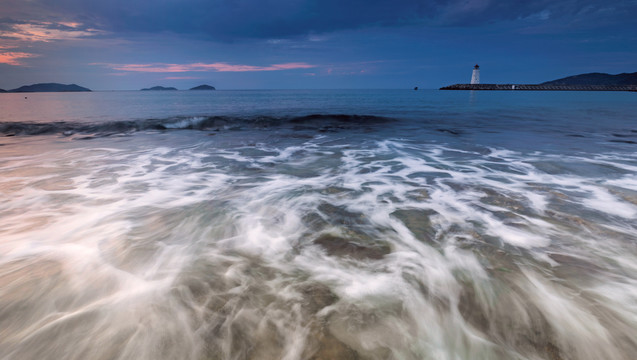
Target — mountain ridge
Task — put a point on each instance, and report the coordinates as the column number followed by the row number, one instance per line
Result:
column 49, row 87
column 596, row 78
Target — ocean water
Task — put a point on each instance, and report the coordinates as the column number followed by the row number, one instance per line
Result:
column 350, row 224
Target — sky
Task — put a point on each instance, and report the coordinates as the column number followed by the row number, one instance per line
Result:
column 311, row 44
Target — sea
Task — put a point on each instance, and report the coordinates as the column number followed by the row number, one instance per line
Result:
column 318, row 224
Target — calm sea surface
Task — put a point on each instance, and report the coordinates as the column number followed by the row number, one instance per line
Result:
column 319, row 224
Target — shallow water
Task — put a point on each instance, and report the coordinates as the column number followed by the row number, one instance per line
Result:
column 426, row 236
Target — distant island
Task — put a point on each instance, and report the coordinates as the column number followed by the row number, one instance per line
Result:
column 49, row 87
column 2, row 90
column 582, row 82
column 159, row 88
column 203, row 87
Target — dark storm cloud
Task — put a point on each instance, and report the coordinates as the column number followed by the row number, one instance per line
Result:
column 110, row 44
column 235, row 19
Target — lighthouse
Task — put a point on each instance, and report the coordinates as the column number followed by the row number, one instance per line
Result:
column 475, row 77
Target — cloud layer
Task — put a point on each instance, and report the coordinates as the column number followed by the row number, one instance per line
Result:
column 197, row 67
column 232, row 20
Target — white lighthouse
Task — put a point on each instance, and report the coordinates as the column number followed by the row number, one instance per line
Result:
column 475, row 77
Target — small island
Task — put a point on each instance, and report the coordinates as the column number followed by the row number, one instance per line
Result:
column 158, row 88
column 3, row 90
column 50, row 87
column 203, row 87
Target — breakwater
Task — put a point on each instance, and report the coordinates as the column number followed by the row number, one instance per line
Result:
column 540, row 87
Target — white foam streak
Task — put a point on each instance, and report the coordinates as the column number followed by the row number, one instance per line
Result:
column 391, row 250
column 185, row 123
column 601, row 200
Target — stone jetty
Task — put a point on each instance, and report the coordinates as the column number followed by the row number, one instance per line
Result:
column 540, row 87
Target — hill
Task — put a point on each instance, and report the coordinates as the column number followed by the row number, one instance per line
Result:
column 50, row 87
column 596, row 79
column 203, row 87
column 2, row 90
column 159, row 88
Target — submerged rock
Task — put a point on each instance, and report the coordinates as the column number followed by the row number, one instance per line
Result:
column 339, row 215
column 330, row 348
column 417, row 221
column 338, row 246
column 316, row 296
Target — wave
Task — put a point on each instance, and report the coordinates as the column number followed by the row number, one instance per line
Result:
column 319, row 122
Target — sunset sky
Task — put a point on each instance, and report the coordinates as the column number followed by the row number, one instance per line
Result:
column 272, row 44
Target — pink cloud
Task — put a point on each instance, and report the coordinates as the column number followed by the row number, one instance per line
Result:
column 219, row 66
column 70, row 24
column 181, row 77
column 13, row 58
column 47, row 31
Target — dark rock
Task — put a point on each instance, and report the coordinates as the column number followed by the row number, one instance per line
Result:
column 158, row 88
column 203, row 87
column 50, row 87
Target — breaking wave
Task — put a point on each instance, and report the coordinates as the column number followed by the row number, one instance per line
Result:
column 320, row 122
